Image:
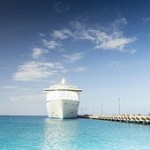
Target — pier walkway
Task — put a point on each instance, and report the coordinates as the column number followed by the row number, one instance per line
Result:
column 120, row 118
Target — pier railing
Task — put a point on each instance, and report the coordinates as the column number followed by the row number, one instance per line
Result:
column 120, row 118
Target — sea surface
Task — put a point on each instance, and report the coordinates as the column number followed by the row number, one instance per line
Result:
column 42, row 133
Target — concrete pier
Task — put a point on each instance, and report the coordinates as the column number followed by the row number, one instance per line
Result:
column 120, row 118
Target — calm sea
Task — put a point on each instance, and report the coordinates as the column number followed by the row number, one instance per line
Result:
column 41, row 133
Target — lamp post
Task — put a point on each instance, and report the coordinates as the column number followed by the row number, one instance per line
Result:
column 119, row 105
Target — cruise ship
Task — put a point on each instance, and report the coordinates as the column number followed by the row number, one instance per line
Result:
column 62, row 100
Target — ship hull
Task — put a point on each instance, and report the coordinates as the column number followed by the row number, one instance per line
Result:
column 62, row 109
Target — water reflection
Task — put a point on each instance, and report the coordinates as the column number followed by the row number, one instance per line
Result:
column 60, row 134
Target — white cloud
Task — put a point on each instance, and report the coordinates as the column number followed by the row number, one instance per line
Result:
column 114, row 43
column 51, row 44
column 33, row 71
column 106, row 38
column 106, row 41
column 86, row 35
column 110, row 37
column 73, row 57
column 38, row 52
column 61, row 34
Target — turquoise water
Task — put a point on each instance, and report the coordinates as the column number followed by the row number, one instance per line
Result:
column 41, row 133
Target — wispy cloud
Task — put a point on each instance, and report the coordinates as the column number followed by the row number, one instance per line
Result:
column 113, row 42
column 42, row 35
column 60, row 7
column 38, row 52
column 73, row 57
column 118, row 23
column 105, row 38
column 61, row 34
column 79, row 69
column 34, row 70
column 110, row 37
column 86, row 35
column 146, row 19
column 51, row 44
column 107, row 41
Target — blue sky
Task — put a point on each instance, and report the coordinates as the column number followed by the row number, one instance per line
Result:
column 102, row 46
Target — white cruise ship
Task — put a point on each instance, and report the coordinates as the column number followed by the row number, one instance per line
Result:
column 62, row 100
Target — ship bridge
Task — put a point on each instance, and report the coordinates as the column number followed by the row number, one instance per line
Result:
column 62, row 86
